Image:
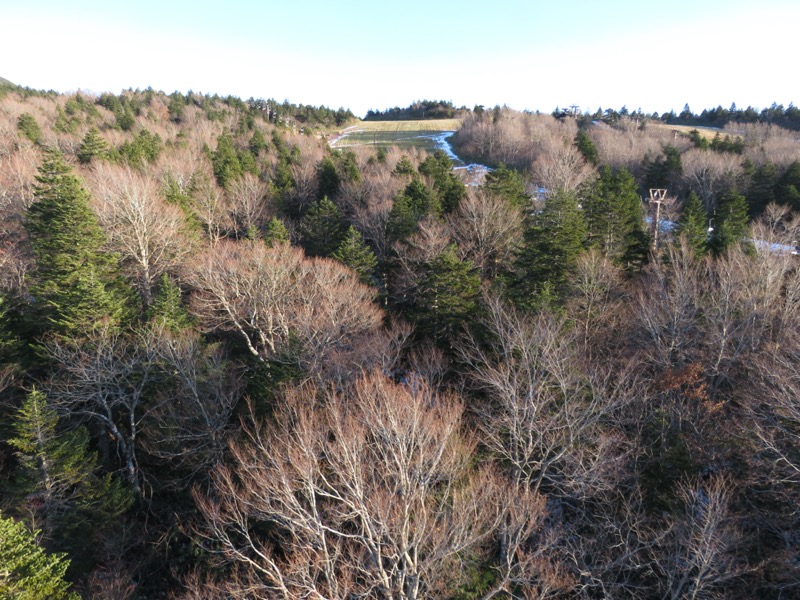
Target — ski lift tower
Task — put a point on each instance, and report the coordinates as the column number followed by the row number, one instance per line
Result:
column 657, row 198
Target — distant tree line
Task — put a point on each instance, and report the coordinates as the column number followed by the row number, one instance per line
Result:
column 787, row 117
column 419, row 110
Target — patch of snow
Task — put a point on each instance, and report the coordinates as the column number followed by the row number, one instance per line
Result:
column 345, row 132
column 775, row 248
column 664, row 225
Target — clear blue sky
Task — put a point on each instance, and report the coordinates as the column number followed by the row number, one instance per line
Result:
column 529, row 55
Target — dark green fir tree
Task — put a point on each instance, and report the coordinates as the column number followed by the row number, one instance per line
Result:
column 276, row 233
column 225, row 161
column 787, row 190
column 27, row 572
column 693, row 225
column 322, row 228
column 404, row 166
column 75, row 283
column 415, row 203
column 168, row 308
column 57, row 480
column 450, row 189
column 446, row 299
column 29, row 127
column 614, row 218
column 730, row 222
column 508, row 184
column 586, row 147
column 93, row 147
column 761, row 190
column 555, row 238
column 354, row 253
column 328, row 178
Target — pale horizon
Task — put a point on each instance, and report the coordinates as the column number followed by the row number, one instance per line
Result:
column 363, row 56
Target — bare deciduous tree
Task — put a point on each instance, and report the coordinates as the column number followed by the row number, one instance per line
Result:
column 368, row 202
column 267, row 295
column 561, row 168
column 488, row 230
column 709, row 174
column 699, row 553
column 546, row 419
column 670, row 307
column 188, row 416
column 102, row 380
column 595, row 282
column 210, row 207
column 248, row 204
column 147, row 232
column 369, row 494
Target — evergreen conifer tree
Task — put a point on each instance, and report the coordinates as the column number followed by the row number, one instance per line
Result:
column 787, row 190
column 93, row 146
column 27, row 572
column 64, row 123
column 167, row 306
column 509, row 184
column 665, row 171
column 225, row 161
column 328, row 177
column 415, row 203
column 141, row 150
column 446, row 298
column 614, row 222
column 257, row 143
column 730, row 222
column 354, row 253
column 761, row 190
column 29, row 127
column 348, row 167
column 586, row 147
column 8, row 341
column 322, row 228
column 276, row 232
column 176, row 107
column 404, row 166
column 448, row 186
column 553, row 241
column 51, row 466
column 75, row 283
column 693, row 225
column 57, row 476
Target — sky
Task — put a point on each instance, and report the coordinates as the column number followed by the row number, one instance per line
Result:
column 528, row 55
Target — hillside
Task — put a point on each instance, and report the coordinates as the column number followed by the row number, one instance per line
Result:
column 4, row 81
column 236, row 362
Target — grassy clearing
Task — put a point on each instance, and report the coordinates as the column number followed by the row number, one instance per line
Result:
column 406, row 135
column 405, row 140
column 706, row 132
column 430, row 125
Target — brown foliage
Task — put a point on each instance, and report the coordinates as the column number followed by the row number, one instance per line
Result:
column 147, row 232
column 710, row 174
column 368, row 493
column 561, row 167
column 268, row 296
column 488, row 231
column 545, row 417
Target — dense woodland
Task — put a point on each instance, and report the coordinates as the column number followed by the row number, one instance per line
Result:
column 235, row 363
column 419, row 110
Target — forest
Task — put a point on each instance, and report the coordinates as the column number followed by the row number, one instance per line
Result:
column 237, row 363
column 422, row 109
